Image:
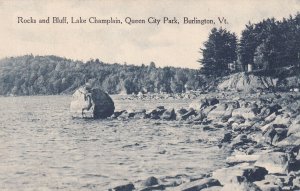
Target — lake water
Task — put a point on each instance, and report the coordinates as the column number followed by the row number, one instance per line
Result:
column 43, row 148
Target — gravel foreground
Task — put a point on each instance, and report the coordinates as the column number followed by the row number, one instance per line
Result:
column 262, row 135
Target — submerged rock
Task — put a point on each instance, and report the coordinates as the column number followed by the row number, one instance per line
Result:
column 117, row 114
column 140, row 114
column 151, row 181
column 154, row 188
column 91, row 103
column 126, row 115
column 156, row 113
column 125, row 187
column 169, row 114
column 190, row 113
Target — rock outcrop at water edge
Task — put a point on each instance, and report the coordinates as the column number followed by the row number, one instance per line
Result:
column 247, row 82
column 91, row 103
column 261, row 136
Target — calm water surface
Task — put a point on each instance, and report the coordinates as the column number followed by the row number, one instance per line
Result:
column 42, row 148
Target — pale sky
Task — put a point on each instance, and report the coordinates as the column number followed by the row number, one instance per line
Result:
column 166, row 44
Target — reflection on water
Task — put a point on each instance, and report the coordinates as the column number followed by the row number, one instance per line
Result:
column 42, row 148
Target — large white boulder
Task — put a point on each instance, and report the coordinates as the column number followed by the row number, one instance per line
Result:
column 93, row 103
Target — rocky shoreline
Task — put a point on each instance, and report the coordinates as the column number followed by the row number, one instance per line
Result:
column 262, row 134
column 163, row 96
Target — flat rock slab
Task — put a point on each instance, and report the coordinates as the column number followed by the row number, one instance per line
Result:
column 214, row 188
column 274, row 162
column 251, row 173
column 199, row 184
column 266, row 186
column 241, row 158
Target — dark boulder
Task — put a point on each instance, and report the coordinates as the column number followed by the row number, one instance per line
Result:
column 125, row 187
column 266, row 111
column 141, row 114
column 117, row 114
column 104, row 105
column 169, row 115
column 199, row 117
column 275, row 133
column 254, row 108
column 255, row 174
column 156, row 113
column 241, row 142
column 226, row 138
column 190, row 113
column 127, row 115
column 212, row 101
column 154, row 188
column 151, row 181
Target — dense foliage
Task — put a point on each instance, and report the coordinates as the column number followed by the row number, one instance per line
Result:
column 271, row 44
column 32, row 75
column 219, row 50
column 267, row 45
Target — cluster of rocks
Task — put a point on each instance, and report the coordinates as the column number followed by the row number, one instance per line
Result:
column 162, row 96
column 197, row 112
column 262, row 135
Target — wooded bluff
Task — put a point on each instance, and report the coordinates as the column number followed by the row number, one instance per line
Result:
column 50, row 75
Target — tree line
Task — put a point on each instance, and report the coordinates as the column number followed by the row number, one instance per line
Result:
column 49, row 75
column 266, row 46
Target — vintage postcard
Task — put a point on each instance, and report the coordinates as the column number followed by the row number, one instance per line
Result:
column 149, row 95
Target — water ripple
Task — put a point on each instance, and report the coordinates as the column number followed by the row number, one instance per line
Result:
column 42, row 148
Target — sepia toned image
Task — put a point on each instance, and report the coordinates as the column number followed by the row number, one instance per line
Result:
column 146, row 95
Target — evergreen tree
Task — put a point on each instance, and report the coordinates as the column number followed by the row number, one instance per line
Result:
column 270, row 44
column 219, row 50
column 247, row 46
